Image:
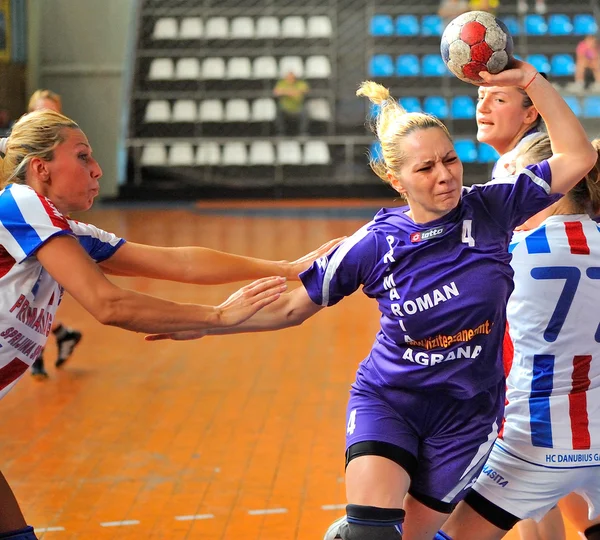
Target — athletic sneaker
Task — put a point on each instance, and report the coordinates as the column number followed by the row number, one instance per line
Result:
column 66, row 345
column 37, row 369
column 336, row 528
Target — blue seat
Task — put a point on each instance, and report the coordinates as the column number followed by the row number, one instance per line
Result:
column 381, row 25
column 407, row 65
column 591, row 107
column 559, row 24
column 436, row 105
column 535, row 25
column 381, row 65
column 584, row 24
column 573, row 102
column 466, row 150
column 539, row 62
column 463, row 108
column 562, row 65
column 375, row 151
column 432, row 65
column 410, row 104
column 407, row 25
column 432, row 25
column 487, row 154
column 512, row 24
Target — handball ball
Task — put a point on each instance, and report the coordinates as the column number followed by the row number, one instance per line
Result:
column 476, row 41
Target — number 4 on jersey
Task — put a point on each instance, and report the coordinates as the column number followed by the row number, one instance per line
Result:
column 467, row 233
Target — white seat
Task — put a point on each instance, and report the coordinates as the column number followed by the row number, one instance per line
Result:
column 210, row 110
column 216, row 28
column 181, row 153
column 267, row 27
column 291, row 63
column 234, row 153
column 187, row 69
column 318, row 109
column 319, row 26
column 237, row 110
column 208, row 153
column 293, row 27
column 241, row 28
column 154, row 154
column 289, row 153
column 191, row 28
column 213, row 68
column 185, row 110
column 264, row 67
column 316, row 153
column 261, row 153
column 263, row 110
column 165, row 28
column 239, row 68
column 317, row 67
column 161, row 69
column 158, row 110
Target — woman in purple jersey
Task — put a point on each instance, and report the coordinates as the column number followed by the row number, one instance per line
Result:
column 47, row 173
column 427, row 401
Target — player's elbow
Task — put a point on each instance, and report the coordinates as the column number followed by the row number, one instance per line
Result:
column 108, row 308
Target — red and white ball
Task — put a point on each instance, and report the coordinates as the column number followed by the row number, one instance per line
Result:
column 476, row 41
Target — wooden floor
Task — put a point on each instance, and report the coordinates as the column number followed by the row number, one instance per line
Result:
column 237, row 437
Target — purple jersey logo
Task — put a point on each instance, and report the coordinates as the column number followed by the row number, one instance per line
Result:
column 426, row 235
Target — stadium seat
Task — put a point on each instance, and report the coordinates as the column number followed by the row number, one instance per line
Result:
column 381, row 65
column 293, row 26
column 466, row 150
column 319, row 26
column 241, row 28
column 291, row 63
column 216, row 28
column 375, row 151
column 539, row 62
column 261, row 153
column 316, row 153
column 187, row 69
column 432, row 65
column 487, row 154
column 584, row 24
column 559, row 24
column 210, row 110
column 154, row 154
column 512, row 24
column 191, row 28
column 432, row 25
column 289, row 153
column 591, row 107
column 317, row 67
column 573, row 102
column 264, row 67
column 185, row 110
column 234, row 153
column 436, row 105
column 407, row 25
column 161, row 69
column 562, row 65
column 318, row 109
column 463, row 108
column 535, row 25
column 158, row 110
column 407, row 65
column 239, row 67
column 411, row 104
column 237, row 110
column 263, row 110
column 213, row 69
column 381, row 25
column 181, row 154
column 208, row 153
column 267, row 27
column 165, row 28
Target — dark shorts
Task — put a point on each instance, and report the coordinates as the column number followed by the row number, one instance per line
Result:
column 441, row 441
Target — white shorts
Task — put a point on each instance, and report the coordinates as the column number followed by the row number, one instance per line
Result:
column 527, row 490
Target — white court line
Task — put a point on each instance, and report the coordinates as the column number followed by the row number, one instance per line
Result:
column 197, row 516
column 333, row 507
column 48, row 529
column 120, row 523
column 267, row 511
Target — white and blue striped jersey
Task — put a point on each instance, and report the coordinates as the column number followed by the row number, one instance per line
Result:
column 29, row 295
column 553, row 389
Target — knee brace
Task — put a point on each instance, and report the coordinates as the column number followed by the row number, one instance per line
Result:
column 372, row 523
column 22, row 534
column 593, row 532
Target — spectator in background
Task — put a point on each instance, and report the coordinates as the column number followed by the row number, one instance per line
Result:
column 45, row 99
column 587, row 65
column 490, row 6
column 291, row 117
column 540, row 6
column 450, row 9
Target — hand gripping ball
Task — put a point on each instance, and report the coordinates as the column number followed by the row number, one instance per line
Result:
column 476, row 41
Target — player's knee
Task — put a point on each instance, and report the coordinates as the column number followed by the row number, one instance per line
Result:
column 593, row 532
column 373, row 523
column 22, row 534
